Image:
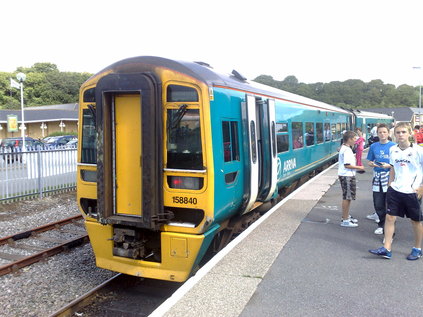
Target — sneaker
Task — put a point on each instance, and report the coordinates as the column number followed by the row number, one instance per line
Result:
column 353, row 220
column 373, row 216
column 415, row 254
column 382, row 252
column 348, row 223
column 379, row 230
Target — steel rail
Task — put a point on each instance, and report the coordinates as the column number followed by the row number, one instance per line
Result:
column 47, row 227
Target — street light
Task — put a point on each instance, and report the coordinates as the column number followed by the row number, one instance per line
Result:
column 21, row 78
column 420, row 89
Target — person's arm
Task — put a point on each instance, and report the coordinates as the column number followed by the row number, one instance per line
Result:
column 354, row 167
column 391, row 175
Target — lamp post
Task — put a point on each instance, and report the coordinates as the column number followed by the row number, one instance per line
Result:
column 420, row 90
column 21, row 78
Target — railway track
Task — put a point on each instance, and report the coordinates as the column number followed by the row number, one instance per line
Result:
column 28, row 247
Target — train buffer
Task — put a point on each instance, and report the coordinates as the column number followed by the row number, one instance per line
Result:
column 298, row 261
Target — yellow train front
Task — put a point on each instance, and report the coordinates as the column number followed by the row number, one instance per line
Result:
column 172, row 153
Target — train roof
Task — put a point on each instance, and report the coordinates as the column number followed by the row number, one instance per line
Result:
column 205, row 73
column 368, row 114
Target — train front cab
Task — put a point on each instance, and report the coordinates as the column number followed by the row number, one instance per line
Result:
column 144, row 220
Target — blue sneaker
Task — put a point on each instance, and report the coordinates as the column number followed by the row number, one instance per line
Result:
column 415, row 254
column 383, row 252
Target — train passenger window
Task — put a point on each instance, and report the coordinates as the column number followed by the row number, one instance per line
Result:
column 283, row 142
column 88, row 145
column 282, row 137
column 297, row 135
column 309, row 135
column 281, row 127
column 343, row 127
column 184, row 149
column 338, row 131
column 253, row 141
column 319, row 132
column 177, row 93
column 333, row 129
column 230, row 141
column 327, row 133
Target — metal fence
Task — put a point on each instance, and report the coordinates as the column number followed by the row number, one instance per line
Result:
column 35, row 173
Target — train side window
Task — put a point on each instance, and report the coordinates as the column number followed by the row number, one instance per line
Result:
column 230, row 141
column 297, row 135
column 253, row 141
column 319, row 132
column 282, row 137
column 333, row 129
column 177, row 93
column 338, row 131
column 343, row 127
column 88, row 145
column 309, row 135
column 327, row 133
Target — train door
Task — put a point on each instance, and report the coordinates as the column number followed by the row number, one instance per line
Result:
column 129, row 127
column 261, row 168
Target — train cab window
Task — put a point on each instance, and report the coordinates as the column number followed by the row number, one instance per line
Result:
column 89, row 95
column 327, row 134
column 177, row 93
column 282, row 137
column 184, row 149
column 88, row 145
column 230, row 141
column 309, row 135
column 297, row 135
column 319, row 132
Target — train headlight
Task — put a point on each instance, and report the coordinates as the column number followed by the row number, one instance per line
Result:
column 182, row 182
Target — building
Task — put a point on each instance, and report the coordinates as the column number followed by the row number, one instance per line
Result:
column 414, row 116
column 42, row 121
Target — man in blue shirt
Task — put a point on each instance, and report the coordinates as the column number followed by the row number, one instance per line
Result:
column 378, row 158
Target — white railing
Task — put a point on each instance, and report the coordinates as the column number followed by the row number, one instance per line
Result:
column 34, row 173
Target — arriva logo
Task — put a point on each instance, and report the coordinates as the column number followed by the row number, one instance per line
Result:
column 289, row 165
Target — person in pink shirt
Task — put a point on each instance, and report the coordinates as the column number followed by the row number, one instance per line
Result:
column 359, row 146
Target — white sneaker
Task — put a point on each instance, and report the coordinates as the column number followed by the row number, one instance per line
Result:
column 379, row 230
column 373, row 216
column 348, row 223
column 353, row 220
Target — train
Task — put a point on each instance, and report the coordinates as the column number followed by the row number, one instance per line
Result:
column 176, row 158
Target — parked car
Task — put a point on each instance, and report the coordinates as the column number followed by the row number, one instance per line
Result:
column 14, row 143
column 59, row 141
column 72, row 144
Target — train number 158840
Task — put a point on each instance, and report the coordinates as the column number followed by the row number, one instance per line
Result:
column 184, row 200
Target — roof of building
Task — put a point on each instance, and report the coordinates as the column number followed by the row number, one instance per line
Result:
column 65, row 112
column 399, row 113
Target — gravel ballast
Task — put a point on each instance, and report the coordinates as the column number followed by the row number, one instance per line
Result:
column 44, row 287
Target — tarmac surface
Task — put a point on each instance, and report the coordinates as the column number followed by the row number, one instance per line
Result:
column 299, row 261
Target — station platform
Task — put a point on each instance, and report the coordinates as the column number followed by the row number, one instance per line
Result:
column 298, row 261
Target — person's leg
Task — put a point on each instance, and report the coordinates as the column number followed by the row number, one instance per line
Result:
column 418, row 233
column 389, row 231
column 379, row 202
column 345, row 209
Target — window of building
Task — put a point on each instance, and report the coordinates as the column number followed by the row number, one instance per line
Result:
column 230, row 141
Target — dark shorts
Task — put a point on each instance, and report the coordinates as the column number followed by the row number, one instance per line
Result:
column 348, row 186
column 403, row 205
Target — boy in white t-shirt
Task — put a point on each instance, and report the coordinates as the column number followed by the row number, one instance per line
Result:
column 405, row 181
column 346, row 174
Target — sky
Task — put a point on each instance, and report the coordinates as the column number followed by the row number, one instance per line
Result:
column 314, row 40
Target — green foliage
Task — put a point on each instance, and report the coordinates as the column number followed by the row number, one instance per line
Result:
column 352, row 93
column 44, row 85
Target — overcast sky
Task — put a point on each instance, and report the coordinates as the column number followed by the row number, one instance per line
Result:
column 314, row 40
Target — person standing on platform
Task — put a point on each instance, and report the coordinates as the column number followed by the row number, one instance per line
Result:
column 359, row 146
column 405, row 190
column 346, row 173
column 378, row 158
